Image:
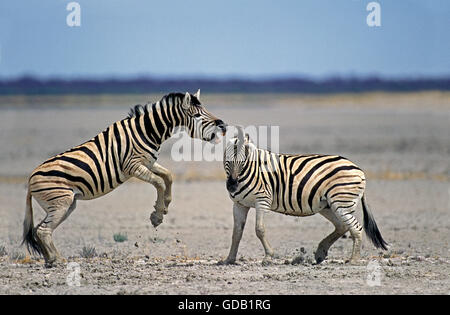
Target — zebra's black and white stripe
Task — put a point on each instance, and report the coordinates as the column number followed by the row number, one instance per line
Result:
column 127, row 148
column 297, row 185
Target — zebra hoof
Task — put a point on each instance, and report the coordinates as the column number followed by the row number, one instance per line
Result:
column 226, row 262
column 320, row 256
column 156, row 218
column 267, row 261
column 275, row 256
column 54, row 264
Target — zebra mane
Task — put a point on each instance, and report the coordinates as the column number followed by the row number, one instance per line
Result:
column 139, row 110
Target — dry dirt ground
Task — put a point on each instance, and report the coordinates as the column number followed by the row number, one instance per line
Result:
column 400, row 140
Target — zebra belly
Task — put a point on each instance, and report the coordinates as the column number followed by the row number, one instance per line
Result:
column 300, row 213
column 98, row 194
column 295, row 209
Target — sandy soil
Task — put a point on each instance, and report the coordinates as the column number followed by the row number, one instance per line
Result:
column 400, row 140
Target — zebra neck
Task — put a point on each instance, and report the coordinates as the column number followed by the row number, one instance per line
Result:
column 251, row 160
column 159, row 122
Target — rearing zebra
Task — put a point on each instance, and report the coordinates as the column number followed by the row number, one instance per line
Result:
column 127, row 148
column 297, row 185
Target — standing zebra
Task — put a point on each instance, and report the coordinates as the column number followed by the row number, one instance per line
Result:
column 127, row 148
column 297, row 185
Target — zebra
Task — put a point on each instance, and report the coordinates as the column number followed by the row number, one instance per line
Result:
column 127, row 148
column 296, row 185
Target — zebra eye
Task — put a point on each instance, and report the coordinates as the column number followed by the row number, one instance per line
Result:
column 197, row 115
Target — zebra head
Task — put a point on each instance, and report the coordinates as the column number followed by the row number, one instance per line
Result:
column 236, row 154
column 200, row 123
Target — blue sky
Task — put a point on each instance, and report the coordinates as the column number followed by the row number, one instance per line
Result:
column 315, row 38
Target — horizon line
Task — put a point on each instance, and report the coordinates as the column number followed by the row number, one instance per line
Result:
column 231, row 77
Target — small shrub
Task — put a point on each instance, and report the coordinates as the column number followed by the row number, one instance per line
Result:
column 3, row 251
column 119, row 237
column 88, row 252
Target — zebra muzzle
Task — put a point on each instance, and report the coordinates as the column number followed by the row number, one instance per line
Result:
column 222, row 126
column 232, row 184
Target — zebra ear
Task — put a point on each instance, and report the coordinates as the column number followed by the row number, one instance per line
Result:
column 247, row 139
column 186, row 100
column 240, row 134
column 197, row 94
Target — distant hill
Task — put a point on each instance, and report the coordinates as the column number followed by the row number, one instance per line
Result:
column 30, row 86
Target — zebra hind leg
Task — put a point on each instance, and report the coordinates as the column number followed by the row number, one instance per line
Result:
column 340, row 229
column 344, row 207
column 57, row 211
column 344, row 210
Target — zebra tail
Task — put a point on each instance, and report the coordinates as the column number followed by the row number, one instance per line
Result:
column 29, row 237
column 371, row 228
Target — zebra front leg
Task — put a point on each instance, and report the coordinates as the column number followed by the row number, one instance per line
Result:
column 166, row 175
column 240, row 217
column 143, row 173
column 261, row 231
